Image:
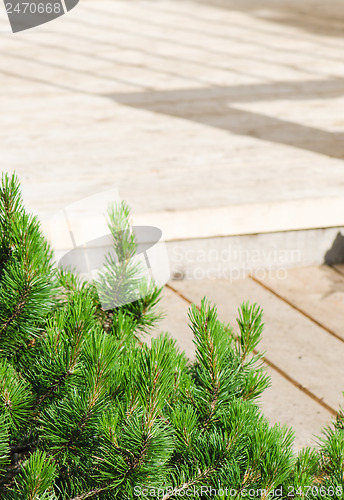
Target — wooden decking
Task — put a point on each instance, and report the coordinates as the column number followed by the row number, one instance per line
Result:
column 303, row 338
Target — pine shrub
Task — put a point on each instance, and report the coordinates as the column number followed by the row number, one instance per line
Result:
column 89, row 409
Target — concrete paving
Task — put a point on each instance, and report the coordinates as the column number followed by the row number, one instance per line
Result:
column 180, row 105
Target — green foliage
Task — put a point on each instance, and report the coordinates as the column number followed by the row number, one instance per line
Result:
column 89, row 410
column 119, row 281
column 35, row 480
column 17, row 400
column 27, row 281
column 4, row 444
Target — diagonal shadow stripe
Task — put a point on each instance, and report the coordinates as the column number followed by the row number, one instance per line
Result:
column 310, row 89
column 211, row 107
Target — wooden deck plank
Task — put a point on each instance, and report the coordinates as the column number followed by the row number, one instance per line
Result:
column 317, row 291
column 305, row 352
column 282, row 402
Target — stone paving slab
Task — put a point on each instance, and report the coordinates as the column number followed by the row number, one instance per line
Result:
column 180, row 105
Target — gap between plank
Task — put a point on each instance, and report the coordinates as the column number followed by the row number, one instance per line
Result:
column 286, row 301
column 336, row 270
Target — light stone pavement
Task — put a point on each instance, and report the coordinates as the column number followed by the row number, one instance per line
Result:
column 179, row 105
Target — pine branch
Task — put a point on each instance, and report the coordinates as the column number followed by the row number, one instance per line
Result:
column 54, row 387
column 17, row 309
column 90, row 493
column 200, row 477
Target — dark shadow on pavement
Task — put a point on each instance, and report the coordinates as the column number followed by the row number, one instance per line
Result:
column 213, row 107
